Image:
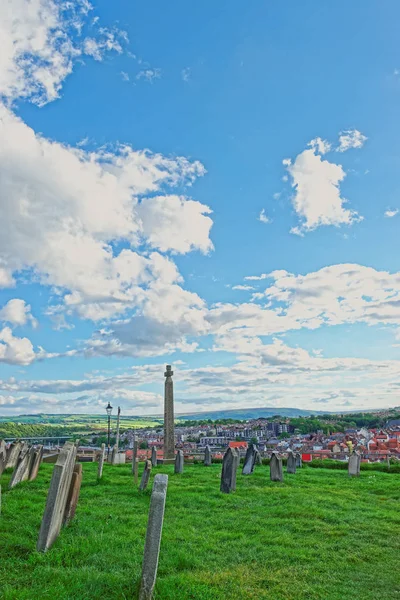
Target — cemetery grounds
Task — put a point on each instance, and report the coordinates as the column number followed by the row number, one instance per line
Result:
column 319, row 535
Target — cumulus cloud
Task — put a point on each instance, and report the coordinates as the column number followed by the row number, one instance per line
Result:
column 14, row 350
column 352, row 138
column 391, row 212
column 320, row 145
column 17, row 312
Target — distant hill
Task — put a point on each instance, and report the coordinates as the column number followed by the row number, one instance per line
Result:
column 249, row 413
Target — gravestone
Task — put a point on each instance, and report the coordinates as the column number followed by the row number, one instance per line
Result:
column 21, row 470
column 3, row 456
column 136, row 471
column 134, row 453
column 249, row 460
column 236, row 463
column 228, row 474
column 153, row 537
column 113, row 455
column 258, row 458
column 179, row 460
column 291, row 463
column 13, row 453
column 57, row 497
column 275, row 465
column 102, row 456
column 169, row 432
column 207, row 457
column 73, row 494
column 145, row 475
column 299, row 462
column 354, row 464
column 153, row 456
column 35, row 463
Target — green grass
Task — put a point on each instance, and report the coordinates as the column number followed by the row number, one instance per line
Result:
column 317, row 536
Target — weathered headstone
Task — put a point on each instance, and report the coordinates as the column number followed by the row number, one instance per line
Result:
column 258, row 458
column 228, row 474
column 57, row 497
column 169, row 434
column 275, row 465
column 207, row 456
column 3, row 456
column 13, row 454
column 136, row 471
column 73, row 494
column 154, row 456
column 153, row 537
column 179, row 460
column 249, row 460
column 113, row 454
column 21, row 471
column 299, row 462
column 35, row 463
column 102, row 456
column 134, row 453
column 236, row 463
column 354, row 464
column 291, row 463
column 145, row 475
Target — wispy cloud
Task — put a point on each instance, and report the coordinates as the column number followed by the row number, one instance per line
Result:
column 186, row 74
column 263, row 217
column 149, row 74
column 391, row 212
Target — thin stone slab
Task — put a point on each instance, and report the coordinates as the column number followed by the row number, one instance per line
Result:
column 299, row 462
column 21, row 471
column 35, row 463
column 354, row 464
column 145, row 475
column 228, row 473
column 57, row 497
column 136, row 471
column 236, row 463
column 3, row 456
column 249, row 460
column 258, row 458
column 134, row 453
column 169, row 433
column 154, row 456
column 291, row 463
column 113, row 455
column 179, row 460
column 207, row 457
column 12, row 454
column 73, row 494
column 153, row 537
column 102, row 457
column 275, row 465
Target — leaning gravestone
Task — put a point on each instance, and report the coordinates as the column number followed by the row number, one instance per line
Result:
column 354, row 464
column 236, row 463
column 153, row 456
column 21, row 471
column 179, row 460
column 57, row 497
column 145, row 476
column 3, row 456
column 134, row 454
column 102, row 456
column 258, row 458
column 299, row 462
column 229, row 464
column 207, row 456
column 153, row 537
column 291, row 463
column 73, row 494
column 249, row 460
column 35, row 463
column 136, row 471
column 275, row 465
column 13, row 454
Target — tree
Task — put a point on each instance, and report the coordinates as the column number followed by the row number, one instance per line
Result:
column 144, row 445
column 253, row 440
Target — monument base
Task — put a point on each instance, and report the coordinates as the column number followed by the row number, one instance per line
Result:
column 165, row 461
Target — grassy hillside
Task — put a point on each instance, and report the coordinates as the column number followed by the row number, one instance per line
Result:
column 317, row 536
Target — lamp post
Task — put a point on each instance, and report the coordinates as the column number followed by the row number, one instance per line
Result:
column 109, row 411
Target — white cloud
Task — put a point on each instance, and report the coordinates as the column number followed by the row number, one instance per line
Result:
column 107, row 40
column 149, row 75
column 244, row 288
column 391, row 212
column 186, row 74
column 14, row 350
column 319, row 145
column 125, row 76
column 263, row 217
column 17, row 312
column 352, row 138
column 317, row 198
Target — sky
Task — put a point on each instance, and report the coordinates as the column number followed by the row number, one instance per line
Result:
column 212, row 185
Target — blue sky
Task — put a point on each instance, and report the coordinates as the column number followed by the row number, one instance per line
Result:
column 156, row 156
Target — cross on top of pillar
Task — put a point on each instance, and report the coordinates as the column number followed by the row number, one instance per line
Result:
column 168, row 372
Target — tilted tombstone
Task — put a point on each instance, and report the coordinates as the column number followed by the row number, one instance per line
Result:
column 136, row 471
column 249, row 460
column 145, row 475
column 21, row 470
column 134, row 453
column 179, row 460
column 236, row 463
column 291, row 463
column 13, row 453
column 154, row 456
column 3, row 456
column 275, row 465
column 57, row 497
column 229, row 464
column 354, row 464
column 102, row 456
column 258, row 458
column 153, row 537
column 35, row 463
column 73, row 494
column 207, row 456
column 299, row 462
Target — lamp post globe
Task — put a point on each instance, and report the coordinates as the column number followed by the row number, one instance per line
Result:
column 108, row 411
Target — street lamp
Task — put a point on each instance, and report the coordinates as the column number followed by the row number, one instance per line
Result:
column 108, row 411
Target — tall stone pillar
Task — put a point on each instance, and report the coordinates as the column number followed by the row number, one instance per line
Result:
column 169, row 437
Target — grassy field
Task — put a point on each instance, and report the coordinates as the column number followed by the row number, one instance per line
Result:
column 317, row 536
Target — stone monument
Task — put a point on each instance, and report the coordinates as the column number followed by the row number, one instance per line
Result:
column 169, row 437
column 291, row 463
column 275, row 465
column 207, row 456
